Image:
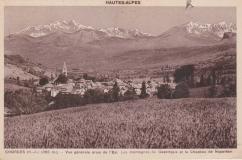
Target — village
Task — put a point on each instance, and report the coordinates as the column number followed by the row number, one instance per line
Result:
column 62, row 88
column 199, row 77
column 80, row 86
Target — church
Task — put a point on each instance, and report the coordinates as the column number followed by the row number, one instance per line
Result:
column 64, row 69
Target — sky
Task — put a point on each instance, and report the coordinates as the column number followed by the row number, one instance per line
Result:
column 154, row 20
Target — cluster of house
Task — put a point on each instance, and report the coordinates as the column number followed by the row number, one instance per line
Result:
column 81, row 86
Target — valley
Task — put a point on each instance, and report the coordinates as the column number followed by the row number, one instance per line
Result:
column 163, row 78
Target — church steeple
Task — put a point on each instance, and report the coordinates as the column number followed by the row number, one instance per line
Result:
column 64, row 69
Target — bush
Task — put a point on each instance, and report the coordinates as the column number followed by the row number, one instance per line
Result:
column 43, row 81
column 68, row 100
column 181, row 90
column 94, row 96
column 87, row 77
column 229, row 90
column 108, row 97
column 185, row 73
column 164, row 91
column 24, row 101
column 130, row 94
column 212, row 91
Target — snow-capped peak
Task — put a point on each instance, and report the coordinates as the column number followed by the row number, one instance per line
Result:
column 123, row 33
column 73, row 26
column 62, row 25
column 218, row 29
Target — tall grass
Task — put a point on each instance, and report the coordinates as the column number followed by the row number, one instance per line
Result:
column 148, row 123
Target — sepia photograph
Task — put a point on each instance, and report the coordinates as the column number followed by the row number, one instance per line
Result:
column 123, row 77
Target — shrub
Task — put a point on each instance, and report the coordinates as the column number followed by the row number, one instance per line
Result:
column 94, row 96
column 108, row 97
column 24, row 101
column 181, row 90
column 184, row 73
column 130, row 94
column 212, row 91
column 164, row 91
column 43, row 81
column 88, row 77
column 226, row 89
column 68, row 100
column 229, row 89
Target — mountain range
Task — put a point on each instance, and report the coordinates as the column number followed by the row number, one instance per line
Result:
column 93, row 49
column 73, row 27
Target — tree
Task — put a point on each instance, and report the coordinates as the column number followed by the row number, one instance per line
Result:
column 94, row 96
column 68, row 100
column 164, row 91
column 213, row 77
column 212, row 91
column 24, row 101
column 43, row 81
column 229, row 89
column 61, row 79
column 166, row 78
column 18, row 80
column 85, row 76
column 88, row 77
column 209, row 80
column 51, row 76
column 181, row 90
column 143, row 90
column 115, row 92
column 108, row 97
column 130, row 94
column 185, row 73
column 223, row 81
column 202, row 83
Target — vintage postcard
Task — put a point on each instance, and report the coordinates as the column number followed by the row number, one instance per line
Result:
column 120, row 79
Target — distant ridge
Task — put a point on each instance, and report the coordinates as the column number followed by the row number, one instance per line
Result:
column 115, row 48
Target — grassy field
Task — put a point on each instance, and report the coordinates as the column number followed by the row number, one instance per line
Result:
column 149, row 123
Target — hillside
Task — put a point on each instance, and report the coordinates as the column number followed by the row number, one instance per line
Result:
column 112, row 49
column 150, row 123
column 23, row 68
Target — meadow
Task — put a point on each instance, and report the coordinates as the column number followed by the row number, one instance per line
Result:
column 145, row 123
